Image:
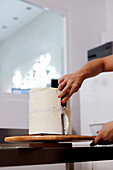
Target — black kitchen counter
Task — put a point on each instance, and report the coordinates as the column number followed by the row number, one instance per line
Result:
column 18, row 154
column 23, row 154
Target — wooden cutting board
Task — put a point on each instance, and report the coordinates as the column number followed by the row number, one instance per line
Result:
column 48, row 138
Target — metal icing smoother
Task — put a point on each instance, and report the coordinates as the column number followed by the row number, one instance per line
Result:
column 54, row 84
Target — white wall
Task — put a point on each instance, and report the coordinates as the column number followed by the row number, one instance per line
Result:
column 109, row 14
column 108, row 34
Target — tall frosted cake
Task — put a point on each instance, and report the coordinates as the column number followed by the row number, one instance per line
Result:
column 45, row 112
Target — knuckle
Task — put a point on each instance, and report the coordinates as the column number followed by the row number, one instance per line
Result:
column 74, row 85
column 64, row 90
column 66, row 98
column 59, row 87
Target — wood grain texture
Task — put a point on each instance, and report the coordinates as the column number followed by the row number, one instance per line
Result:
column 48, row 138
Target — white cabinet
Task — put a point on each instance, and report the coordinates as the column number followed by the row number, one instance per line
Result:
column 37, row 167
column 96, row 105
column 14, row 110
column 96, row 101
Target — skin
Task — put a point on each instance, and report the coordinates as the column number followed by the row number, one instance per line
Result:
column 105, row 135
column 71, row 83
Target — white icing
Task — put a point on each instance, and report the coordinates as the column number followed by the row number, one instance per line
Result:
column 45, row 111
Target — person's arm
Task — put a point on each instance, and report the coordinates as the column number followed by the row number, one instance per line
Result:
column 71, row 83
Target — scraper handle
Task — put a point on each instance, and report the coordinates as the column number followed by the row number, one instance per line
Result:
column 54, row 83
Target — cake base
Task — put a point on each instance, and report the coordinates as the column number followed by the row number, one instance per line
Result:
column 48, row 138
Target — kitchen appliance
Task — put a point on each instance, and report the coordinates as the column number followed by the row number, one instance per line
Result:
column 100, row 51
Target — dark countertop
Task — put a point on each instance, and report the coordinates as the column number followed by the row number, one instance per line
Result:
column 17, row 154
column 23, row 154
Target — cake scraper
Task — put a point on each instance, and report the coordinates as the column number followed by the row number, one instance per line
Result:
column 54, row 84
column 63, row 110
column 63, row 113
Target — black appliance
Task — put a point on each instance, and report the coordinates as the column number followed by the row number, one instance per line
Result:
column 100, row 51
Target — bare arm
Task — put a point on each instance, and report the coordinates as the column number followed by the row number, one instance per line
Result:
column 71, row 83
column 97, row 66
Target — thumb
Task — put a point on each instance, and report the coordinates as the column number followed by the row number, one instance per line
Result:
column 97, row 139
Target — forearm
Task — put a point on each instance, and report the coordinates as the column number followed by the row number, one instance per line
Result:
column 71, row 83
column 97, row 66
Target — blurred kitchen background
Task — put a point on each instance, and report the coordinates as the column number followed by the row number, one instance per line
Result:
column 45, row 39
column 31, row 46
column 31, row 54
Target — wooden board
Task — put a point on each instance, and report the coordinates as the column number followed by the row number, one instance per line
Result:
column 48, row 138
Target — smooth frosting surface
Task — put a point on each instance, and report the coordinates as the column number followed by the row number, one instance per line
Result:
column 44, row 111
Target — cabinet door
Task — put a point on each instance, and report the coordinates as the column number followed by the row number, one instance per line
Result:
column 103, row 165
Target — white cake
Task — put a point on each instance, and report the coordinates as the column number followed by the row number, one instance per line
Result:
column 45, row 111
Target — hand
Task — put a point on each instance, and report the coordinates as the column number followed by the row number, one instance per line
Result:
column 105, row 135
column 70, row 84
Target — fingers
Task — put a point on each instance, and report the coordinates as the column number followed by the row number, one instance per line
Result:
column 68, row 89
column 97, row 140
column 68, row 84
column 60, row 80
column 100, row 139
column 62, row 85
column 68, row 95
column 64, row 92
